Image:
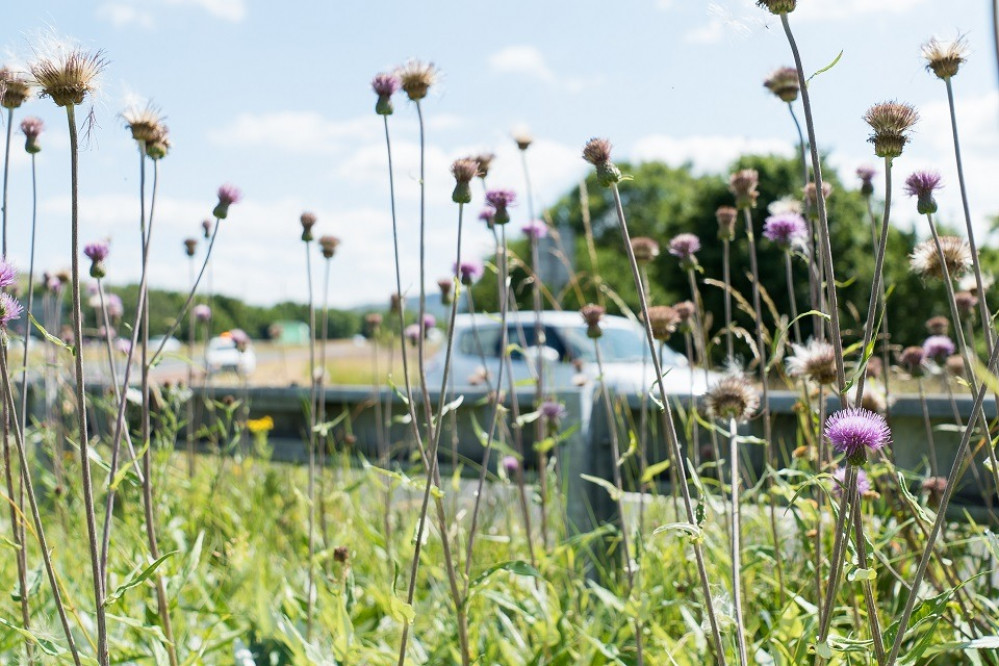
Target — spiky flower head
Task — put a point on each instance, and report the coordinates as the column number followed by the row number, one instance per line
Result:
column 202, row 312
column 328, row 245
column 938, row 348
column 922, row 184
column 926, row 260
column 912, row 359
column 484, row 160
column 866, row 175
column 522, row 137
column 786, row 230
column 784, row 205
column 445, row 285
column 463, row 170
column 732, row 397
column 10, row 309
column 413, row 333
column 241, row 338
column 8, row 274
column 228, row 195
column 500, row 200
column 891, row 122
column 384, row 85
column 839, row 482
column 14, row 88
column 97, row 253
column 307, row 220
column 743, row 184
column 855, row 431
column 598, row 153
column 206, row 228
column 663, row 319
column 809, row 195
column 685, row 310
column 159, row 145
column 144, row 122
column 726, row 216
column 966, row 303
column 32, row 127
column 469, row 272
column 955, row 365
column 644, row 248
column 429, row 322
column 510, row 464
column 552, row 411
column 684, row 247
column 592, row 314
column 487, row 215
column 944, row 58
column 416, row 77
column 938, row 325
column 777, row 7
column 815, row 360
column 68, row 74
column 190, row 246
column 535, row 229
column 783, row 82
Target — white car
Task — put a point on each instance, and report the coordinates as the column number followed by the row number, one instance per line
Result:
column 568, row 357
column 223, row 355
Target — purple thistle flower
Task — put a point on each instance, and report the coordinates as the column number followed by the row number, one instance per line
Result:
column 240, row 337
column 96, row 251
column 921, row 185
column 938, row 347
column 385, row 85
column 468, row 271
column 684, row 245
column 866, row 175
column 500, row 200
column 429, row 321
column 535, row 229
column 510, row 464
column 785, row 230
column 114, row 306
column 551, row 411
column 32, row 127
column 54, row 284
column 123, row 345
column 228, row 195
column 10, row 309
column 8, row 274
column 202, row 312
column 412, row 333
column 487, row 216
column 839, row 482
column 856, row 430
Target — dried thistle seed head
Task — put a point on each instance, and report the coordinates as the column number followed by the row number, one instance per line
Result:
column 32, row 127
column 307, row 220
column 926, row 261
column 190, row 246
column 445, row 285
column 966, row 303
column 921, row 185
column 743, row 184
column 783, row 83
column 873, row 399
column 663, row 319
column 809, row 191
column 68, row 74
column 598, row 153
column 938, row 325
column 484, row 160
column 145, row 123
column 726, row 216
column 891, row 122
column 591, row 314
column 875, row 367
column 341, row 554
column 644, row 248
column 463, row 170
column 416, row 77
column 158, row 147
column 328, row 245
column 866, row 175
column 522, row 137
column 777, row 7
column 944, row 58
column 912, row 359
column 955, row 365
column 384, row 85
column 733, row 397
column 815, row 360
column 372, row 322
column 14, row 88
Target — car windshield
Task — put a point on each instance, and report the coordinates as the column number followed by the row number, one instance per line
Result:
column 222, row 343
column 616, row 344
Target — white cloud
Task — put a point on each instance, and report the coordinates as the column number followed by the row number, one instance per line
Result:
column 121, row 15
column 824, row 10
column 124, row 13
column 521, row 59
column 229, row 10
column 708, row 154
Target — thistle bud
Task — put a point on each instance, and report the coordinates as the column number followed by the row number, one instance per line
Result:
column 190, row 246
column 591, row 316
column 463, row 170
column 328, row 245
column 598, row 153
column 32, row 127
column 726, row 216
column 228, row 195
column 743, row 185
column 308, row 220
column 97, row 253
column 385, row 85
column 500, row 200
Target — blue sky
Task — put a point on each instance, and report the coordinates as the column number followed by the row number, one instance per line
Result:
column 274, row 97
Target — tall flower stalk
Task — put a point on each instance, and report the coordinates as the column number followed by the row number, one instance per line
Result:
column 190, row 248
column 598, row 153
column 866, row 175
column 645, row 250
column 328, row 246
column 308, row 220
column 726, row 217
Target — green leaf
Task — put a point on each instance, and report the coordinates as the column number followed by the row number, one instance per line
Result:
column 137, row 578
column 516, row 567
column 401, row 611
column 692, row 530
column 652, row 471
column 827, row 67
column 48, row 336
column 983, row 643
column 611, row 489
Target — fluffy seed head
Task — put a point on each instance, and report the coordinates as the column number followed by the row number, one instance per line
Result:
column 10, row 309
column 14, row 88
column 726, row 216
column 145, row 123
column 783, row 83
column 873, row 399
column 785, row 230
column 663, row 319
column 926, row 260
column 484, row 160
column 328, row 245
column 777, row 7
column 944, row 58
column 855, row 431
column 938, row 325
column 808, row 194
column 416, row 77
column 522, row 137
column 938, row 348
column 743, row 184
column 815, row 360
column 732, row 397
column 68, row 74
column 922, row 184
column 645, row 249
column 891, row 122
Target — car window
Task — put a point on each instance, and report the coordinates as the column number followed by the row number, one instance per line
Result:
column 617, row 345
column 522, row 335
column 487, row 344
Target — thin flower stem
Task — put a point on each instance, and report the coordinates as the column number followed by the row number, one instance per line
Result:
column 591, row 248
column 872, row 606
column 727, row 279
column 643, row 421
column 764, row 381
column 952, row 480
column 313, row 406
column 735, row 537
column 616, row 465
column 191, row 466
column 836, row 562
column 790, row 296
column 934, row 470
column 995, row 31
column 35, row 514
column 321, row 418
column 802, row 149
column 823, row 227
column 669, row 429
column 6, row 173
column 872, row 304
column 886, row 335
column 983, row 306
column 81, row 402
